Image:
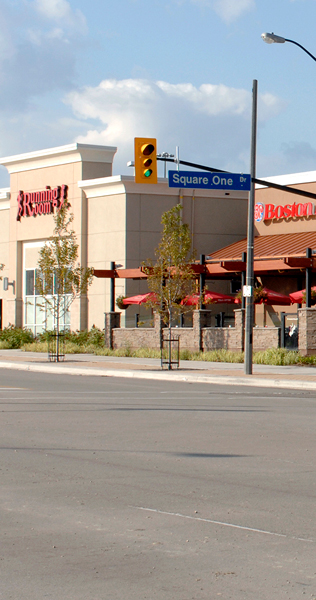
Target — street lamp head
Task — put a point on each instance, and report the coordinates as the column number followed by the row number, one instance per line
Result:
column 271, row 38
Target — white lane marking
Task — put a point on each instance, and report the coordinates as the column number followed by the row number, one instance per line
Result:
column 223, row 524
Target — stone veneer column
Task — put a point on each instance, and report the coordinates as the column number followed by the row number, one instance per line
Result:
column 307, row 331
column 240, row 329
column 159, row 325
column 112, row 320
column 201, row 319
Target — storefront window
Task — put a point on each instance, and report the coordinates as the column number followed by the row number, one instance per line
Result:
column 38, row 315
column 29, row 310
column 29, row 282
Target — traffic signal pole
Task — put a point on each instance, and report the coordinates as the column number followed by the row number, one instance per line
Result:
column 276, row 186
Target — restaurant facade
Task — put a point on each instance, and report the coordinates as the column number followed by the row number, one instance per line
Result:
column 117, row 224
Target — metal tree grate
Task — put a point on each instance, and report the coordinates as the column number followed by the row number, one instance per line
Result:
column 56, row 346
column 170, row 352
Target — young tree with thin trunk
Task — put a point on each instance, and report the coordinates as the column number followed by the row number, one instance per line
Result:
column 60, row 279
column 171, row 277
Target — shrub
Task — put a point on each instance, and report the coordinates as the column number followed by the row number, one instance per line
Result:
column 120, row 304
column 15, row 337
column 4, row 345
column 185, row 354
column 94, row 337
column 306, row 360
column 222, row 356
column 276, row 356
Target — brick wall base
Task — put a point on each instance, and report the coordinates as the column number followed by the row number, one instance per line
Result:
column 307, row 331
column 201, row 337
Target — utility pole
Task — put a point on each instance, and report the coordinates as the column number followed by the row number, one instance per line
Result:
column 248, row 292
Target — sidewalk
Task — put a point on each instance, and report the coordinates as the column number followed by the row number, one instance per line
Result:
column 293, row 377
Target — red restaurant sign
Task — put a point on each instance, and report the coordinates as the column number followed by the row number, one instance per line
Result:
column 31, row 204
column 267, row 212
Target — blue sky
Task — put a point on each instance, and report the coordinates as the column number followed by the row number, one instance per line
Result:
column 179, row 70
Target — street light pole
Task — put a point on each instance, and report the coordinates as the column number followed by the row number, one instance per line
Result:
column 250, row 239
column 165, row 155
column 271, row 38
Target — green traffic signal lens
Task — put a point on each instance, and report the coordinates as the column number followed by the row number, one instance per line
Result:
column 148, row 173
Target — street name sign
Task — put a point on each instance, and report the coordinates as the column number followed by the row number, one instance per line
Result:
column 209, row 180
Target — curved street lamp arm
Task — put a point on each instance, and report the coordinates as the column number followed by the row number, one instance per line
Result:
column 302, row 47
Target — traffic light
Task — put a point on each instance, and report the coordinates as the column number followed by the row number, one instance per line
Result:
column 145, row 160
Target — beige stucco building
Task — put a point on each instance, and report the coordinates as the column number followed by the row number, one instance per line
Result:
column 115, row 219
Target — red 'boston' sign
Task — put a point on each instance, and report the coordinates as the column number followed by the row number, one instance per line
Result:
column 31, row 204
column 267, row 212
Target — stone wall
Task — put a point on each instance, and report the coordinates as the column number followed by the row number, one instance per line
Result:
column 216, row 338
column 202, row 337
column 307, row 331
column 112, row 323
column 191, row 338
column 266, row 337
column 136, row 338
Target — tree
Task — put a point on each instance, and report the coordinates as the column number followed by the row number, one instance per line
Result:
column 60, row 279
column 171, row 278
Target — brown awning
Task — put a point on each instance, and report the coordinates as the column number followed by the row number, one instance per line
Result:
column 139, row 273
column 283, row 253
column 268, row 246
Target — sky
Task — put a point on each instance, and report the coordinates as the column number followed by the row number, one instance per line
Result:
column 101, row 72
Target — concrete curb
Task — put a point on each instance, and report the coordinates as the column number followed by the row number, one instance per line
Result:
column 162, row 376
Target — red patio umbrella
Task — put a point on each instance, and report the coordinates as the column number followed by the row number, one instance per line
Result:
column 209, row 297
column 139, row 299
column 276, row 298
column 297, row 297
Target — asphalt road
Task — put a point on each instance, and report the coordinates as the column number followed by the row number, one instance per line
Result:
column 117, row 489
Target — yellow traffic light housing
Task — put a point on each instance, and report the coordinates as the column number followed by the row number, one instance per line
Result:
column 145, row 160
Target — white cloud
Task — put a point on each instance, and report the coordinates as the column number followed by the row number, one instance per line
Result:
column 60, row 10
column 294, row 157
column 228, row 10
column 210, row 123
column 53, row 9
column 38, row 50
column 35, row 129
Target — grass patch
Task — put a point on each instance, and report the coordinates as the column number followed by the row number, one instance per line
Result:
column 272, row 356
column 4, row 345
column 222, row 355
column 35, row 347
column 276, row 356
column 92, row 342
